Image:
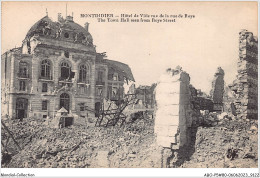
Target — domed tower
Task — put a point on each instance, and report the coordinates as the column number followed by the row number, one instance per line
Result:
column 61, row 33
column 58, row 67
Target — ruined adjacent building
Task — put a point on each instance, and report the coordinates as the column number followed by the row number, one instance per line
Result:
column 146, row 95
column 245, row 86
column 58, row 66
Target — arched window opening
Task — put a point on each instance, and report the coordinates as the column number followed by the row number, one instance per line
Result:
column 65, row 71
column 46, row 69
column 23, row 70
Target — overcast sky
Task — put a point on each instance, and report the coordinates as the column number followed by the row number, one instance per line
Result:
column 199, row 45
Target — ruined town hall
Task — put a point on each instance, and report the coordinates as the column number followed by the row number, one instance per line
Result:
column 58, row 66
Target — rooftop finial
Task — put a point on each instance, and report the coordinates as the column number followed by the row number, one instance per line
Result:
column 46, row 12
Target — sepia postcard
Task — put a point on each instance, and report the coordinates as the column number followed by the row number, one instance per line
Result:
column 129, row 85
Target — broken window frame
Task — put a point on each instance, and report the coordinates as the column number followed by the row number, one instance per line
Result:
column 65, row 101
column 65, row 70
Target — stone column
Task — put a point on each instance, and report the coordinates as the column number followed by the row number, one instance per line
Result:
column 173, row 114
column 218, row 90
column 11, row 107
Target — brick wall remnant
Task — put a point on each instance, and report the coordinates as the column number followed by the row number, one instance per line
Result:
column 174, row 114
column 245, row 86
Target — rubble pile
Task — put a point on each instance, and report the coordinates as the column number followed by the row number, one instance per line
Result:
column 83, row 146
column 22, row 131
column 231, row 144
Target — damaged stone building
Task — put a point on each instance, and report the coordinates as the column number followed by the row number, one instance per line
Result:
column 146, row 94
column 58, row 66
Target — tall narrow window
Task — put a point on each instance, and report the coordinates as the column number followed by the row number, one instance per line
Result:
column 46, row 69
column 44, row 105
column 44, row 87
column 22, row 85
column 82, row 73
column 23, row 69
column 100, row 76
column 65, row 70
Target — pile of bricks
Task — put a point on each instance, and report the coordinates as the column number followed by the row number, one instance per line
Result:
column 80, row 146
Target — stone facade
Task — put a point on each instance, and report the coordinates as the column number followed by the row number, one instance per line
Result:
column 57, row 66
column 245, row 86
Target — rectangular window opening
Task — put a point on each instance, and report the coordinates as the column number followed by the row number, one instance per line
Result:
column 22, row 85
column 44, row 87
column 44, row 105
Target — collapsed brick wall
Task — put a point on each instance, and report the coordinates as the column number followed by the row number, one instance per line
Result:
column 245, row 86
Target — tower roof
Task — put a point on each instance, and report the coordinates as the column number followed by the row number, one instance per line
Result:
column 46, row 27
